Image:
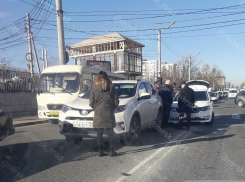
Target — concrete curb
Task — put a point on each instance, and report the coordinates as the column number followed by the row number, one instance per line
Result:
column 30, row 123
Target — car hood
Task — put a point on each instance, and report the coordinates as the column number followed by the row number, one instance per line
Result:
column 197, row 104
column 81, row 103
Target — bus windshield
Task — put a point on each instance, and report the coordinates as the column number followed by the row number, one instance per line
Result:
column 59, row 83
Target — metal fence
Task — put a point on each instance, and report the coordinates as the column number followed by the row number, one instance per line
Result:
column 16, row 81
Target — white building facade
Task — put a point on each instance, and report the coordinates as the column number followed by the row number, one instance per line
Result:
column 149, row 70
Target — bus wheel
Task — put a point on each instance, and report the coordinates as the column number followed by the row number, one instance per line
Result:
column 53, row 121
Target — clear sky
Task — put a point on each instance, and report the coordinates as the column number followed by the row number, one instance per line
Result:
column 219, row 34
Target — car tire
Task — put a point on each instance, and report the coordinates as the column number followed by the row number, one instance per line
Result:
column 240, row 103
column 74, row 140
column 212, row 121
column 158, row 122
column 134, row 132
column 53, row 121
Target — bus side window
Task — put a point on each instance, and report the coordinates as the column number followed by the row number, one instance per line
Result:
column 94, row 77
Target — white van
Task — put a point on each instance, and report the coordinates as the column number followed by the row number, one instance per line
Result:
column 203, row 109
column 61, row 84
column 232, row 93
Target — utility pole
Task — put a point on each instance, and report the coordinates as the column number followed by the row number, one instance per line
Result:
column 159, row 52
column 60, row 31
column 45, row 58
column 35, row 54
column 29, row 42
column 190, row 65
column 159, row 46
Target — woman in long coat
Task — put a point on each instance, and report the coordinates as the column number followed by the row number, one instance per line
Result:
column 103, row 99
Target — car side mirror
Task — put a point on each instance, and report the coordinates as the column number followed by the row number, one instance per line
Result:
column 144, row 96
column 81, row 95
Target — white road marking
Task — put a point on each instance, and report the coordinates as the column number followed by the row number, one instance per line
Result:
column 236, row 116
column 151, row 157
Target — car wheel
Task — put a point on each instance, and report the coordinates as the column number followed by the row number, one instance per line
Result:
column 157, row 124
column 53, row 121
column 134, row 132
column 74, row 140
column 212, row 121
column 240, row 103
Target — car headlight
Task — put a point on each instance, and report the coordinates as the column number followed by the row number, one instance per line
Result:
column 65, row 108
column 206, row 108
column 173, row 109
column 120, row 109
column 41, row 107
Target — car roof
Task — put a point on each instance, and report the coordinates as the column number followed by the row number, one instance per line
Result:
column 124, row 81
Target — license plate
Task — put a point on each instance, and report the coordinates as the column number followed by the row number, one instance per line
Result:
column 54, row 113
column 83, row 124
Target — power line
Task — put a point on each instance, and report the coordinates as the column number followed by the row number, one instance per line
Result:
column 188, row 13
column 14, row 23
column 235, row 6
column 15, row 45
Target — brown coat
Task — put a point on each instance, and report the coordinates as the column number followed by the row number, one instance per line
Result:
column 104, row 103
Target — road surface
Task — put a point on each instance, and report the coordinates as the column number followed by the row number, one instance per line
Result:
column 40, row 153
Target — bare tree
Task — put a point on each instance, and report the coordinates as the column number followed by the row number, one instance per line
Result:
column 184, row 65
column 6, row 65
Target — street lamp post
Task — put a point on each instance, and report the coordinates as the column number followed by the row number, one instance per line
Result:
column 190, row 65
column 159, row 46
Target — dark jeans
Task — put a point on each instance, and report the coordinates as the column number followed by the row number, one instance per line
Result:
column 187, row 110
column 110, row 133
column 166, row 115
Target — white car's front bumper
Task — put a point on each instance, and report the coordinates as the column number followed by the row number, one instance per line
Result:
column 200, row 117
column 69, row 120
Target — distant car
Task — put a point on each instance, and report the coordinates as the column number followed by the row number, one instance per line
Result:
column 213, row 96
column 225, row 94
column 6, row 125
column 232, row 93
column 220, row 95
column 240, row 99
column 217, row 94
column 203, row 109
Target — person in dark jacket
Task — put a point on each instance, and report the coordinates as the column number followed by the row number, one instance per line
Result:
column 103, row 99
column 167, row 99
column 173, row 87
column 186, row 102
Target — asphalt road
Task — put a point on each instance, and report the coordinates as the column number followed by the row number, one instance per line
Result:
column 40, row 153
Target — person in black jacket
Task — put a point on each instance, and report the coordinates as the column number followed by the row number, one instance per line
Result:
column 186, row 102
column 167, row 99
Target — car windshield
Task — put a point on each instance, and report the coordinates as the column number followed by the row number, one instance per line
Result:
column 123, row 90
column 213, row 94
column 201, row 96
column 59, row 83
column 233, row 91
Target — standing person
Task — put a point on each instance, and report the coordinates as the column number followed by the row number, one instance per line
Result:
column 173, row 87
column 185, row 102
column 103, row 99
column 166, row 94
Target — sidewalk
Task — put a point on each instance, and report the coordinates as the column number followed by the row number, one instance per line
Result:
column 25, row 119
